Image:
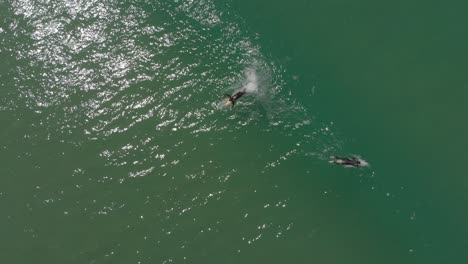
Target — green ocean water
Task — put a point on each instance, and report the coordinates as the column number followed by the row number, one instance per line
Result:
column 115, row 146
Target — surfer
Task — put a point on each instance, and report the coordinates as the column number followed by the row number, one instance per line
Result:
column 233, row 98
column 348, row 162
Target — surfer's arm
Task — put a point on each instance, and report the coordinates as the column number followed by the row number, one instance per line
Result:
column 237, row 95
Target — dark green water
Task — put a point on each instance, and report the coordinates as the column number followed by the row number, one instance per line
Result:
column 115, row 147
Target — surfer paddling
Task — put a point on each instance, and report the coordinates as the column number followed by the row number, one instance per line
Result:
column 348, row 162
column 233, row 98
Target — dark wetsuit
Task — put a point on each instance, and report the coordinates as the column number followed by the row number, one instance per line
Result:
column 233, row 98
column 347, row 161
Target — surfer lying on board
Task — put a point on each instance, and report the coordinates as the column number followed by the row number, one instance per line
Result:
column 348, row 162
column 233, row 98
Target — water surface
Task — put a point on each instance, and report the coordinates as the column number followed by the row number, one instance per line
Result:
column 117, row 148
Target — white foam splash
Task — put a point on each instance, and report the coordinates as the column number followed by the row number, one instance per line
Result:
column 363, row 162
column 251, row 85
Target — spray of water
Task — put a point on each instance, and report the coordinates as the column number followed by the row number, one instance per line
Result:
column 251, row 85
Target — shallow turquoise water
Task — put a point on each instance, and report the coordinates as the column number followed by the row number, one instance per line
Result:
column 116, row 147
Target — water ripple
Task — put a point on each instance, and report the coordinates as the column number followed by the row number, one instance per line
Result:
column 138, row 87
